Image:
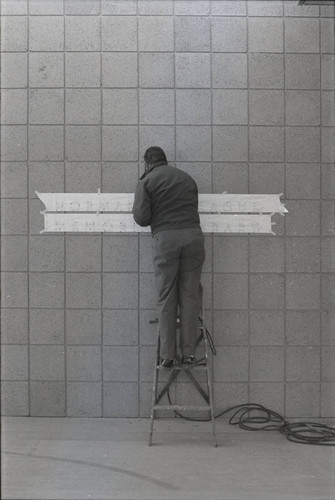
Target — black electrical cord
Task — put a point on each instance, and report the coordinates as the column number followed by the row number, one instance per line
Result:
column 269, row 420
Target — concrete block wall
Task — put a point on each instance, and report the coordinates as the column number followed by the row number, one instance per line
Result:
column 241, row 95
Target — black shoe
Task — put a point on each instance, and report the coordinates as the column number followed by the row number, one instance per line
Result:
column 189, row 360
column 166, row 363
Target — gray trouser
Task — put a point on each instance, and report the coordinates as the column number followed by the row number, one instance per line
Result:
column 178, row 257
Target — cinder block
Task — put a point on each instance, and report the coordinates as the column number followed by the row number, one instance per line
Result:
column 230, row 107
column 328, row 327
column 162, row 135
column 259, row 8
column 82, row 7
column 302, row 71
column 14, row 398
column 193, row 107
column 266, row 144
column 302, row 35
column 266, row 107
column 14, row 326
column 155, row 7
column 328, row 144
column 229, row 34
column 328, row 292
column 266, row 71
column 14, row 143
column 155, row 70
column 230, row 291
column 189, row 8
column 46, row 33
column 119, row 33
column 268, row 394
column 46, row 143
column 120, row 106
column 82, row 33
column 231, row 364
column 295, row 10
column 266, row 364
column 228, row 394
column 302, row 399
column 118, row 7
column 9, row 8
column 237, row 8
column 83, row 106
column 327, row 400
column 14, row 217
column 231, row 328
column 328, row 364
column 119, row 177
column 47, row 362
column 303, row 291
column 328, row 255
column 237, row 75
column 83, row 143
column 303, row 218
column 36, row 220
column 14, row 33
column 328, row 108
column 267, row 328
column 83, row 327
column 84, row 399
column 82, row 177
column 14, row 180
column 230, row 254
column 201, row 173
column 302, row 107
column 230, row 177
column 14, row 253
column 266, row 178
column 46, row 326
column 265, row 34
column 120, row 364
column 120, row 253
column 266, row 254
column 303, row 255
column 192, row 70
column 119, row 69
column 46, row 69
column 13, row 106
column 114, row 140
column 46, row 253
column 192, row 34
column 82, row 69
column 120, row 290
column 230, row 143
column 310, row 188
column 14, row 287
column 83, row 253
column 193, row 143
column 14, row 70
column 83, row 290
column 303, row 364
column 328, row 218
column 45, row 178
column 147, row 363
column 36, row 7
column 303, row 327
column 46, row 290
column 148, row 331
column 148, row 296
column 83, row 363
column 14, row 362
column 156, row 107
column 47, row 399
column 120, row 327
column 327, row 36
column 120, row 399
column 267, row 291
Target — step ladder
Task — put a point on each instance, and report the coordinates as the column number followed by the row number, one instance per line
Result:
column 203, row 365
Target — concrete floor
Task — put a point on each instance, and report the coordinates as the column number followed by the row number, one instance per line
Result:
column 58, row 459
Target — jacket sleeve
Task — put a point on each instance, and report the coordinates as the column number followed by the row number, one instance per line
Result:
column 142, row 206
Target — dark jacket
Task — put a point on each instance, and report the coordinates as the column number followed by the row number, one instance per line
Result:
column 166, row 198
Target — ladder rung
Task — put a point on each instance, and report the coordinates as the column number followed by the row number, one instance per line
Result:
column 184, row 367
column 182, row 408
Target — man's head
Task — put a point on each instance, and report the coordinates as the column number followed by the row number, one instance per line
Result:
column 153, row 155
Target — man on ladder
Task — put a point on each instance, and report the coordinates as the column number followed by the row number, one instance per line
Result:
column 166, row 198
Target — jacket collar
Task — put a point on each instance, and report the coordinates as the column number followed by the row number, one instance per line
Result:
column 152, row 166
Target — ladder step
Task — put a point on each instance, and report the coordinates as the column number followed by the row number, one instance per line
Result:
column 182, row 407
column 184, row 367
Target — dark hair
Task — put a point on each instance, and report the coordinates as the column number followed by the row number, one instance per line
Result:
column 153, row 154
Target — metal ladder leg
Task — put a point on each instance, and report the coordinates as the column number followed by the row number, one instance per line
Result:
column 154, row 392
